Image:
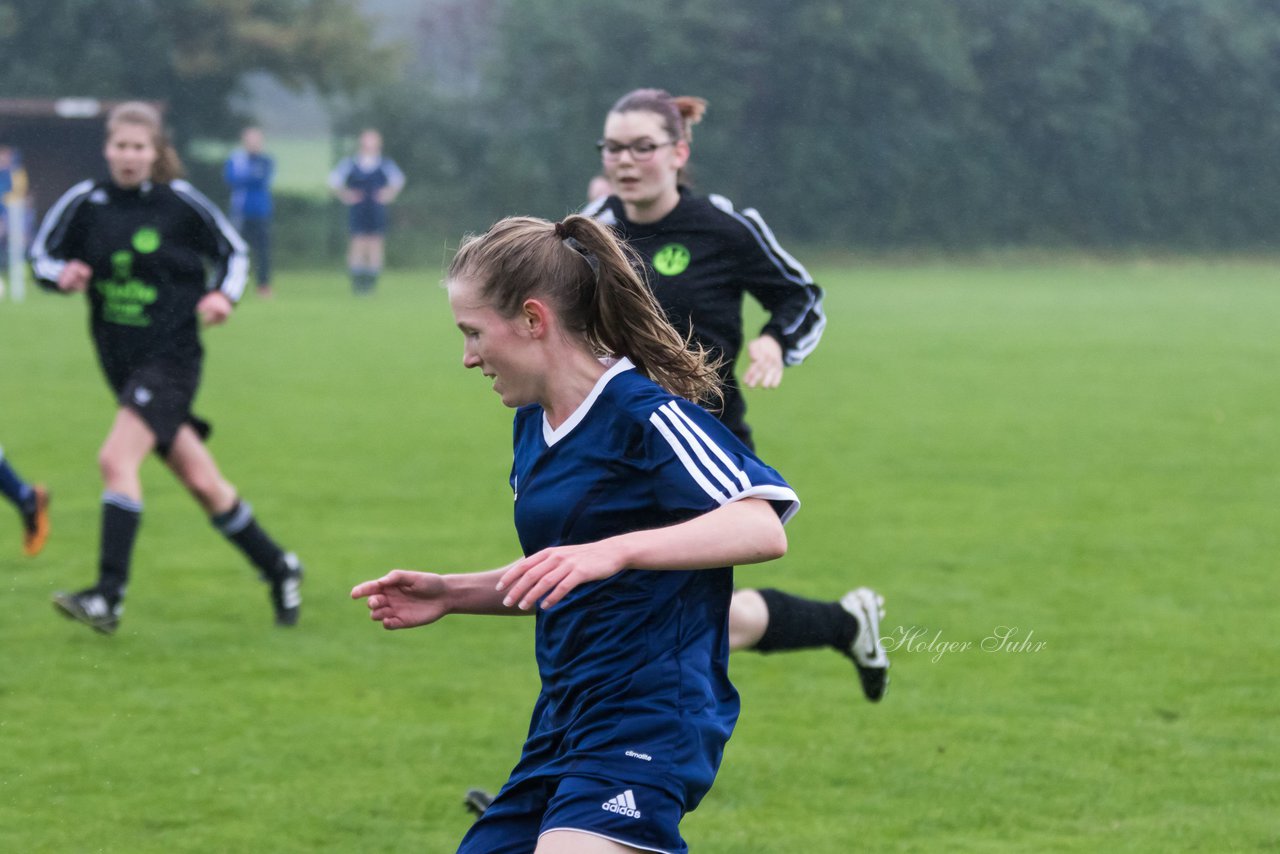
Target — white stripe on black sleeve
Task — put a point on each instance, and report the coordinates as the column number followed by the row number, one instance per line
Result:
column 789, row 267
column 232, row 266
column 751, row 217
column 53, row 231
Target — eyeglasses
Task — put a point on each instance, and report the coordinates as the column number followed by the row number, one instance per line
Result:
column 641, row 150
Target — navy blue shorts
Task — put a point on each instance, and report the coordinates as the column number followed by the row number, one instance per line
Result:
column 367, row 218
column 641, row 816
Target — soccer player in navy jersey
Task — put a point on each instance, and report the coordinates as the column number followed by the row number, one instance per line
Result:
column 32, row 501
column 137, row 245
column 703, row 257
column 632, row 505
column 366, row 183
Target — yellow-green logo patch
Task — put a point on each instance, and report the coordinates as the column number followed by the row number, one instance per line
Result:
column 146, row 240
column 671, row 260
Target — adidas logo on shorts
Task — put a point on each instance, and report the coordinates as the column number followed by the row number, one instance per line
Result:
column 624, row 804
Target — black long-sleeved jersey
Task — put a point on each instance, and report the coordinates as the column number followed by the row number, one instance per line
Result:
column 155, row 251
column 703, row 257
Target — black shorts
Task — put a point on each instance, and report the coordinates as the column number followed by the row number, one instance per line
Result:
column 161, row 393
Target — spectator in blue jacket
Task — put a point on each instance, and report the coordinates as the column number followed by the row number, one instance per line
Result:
column 248, row 172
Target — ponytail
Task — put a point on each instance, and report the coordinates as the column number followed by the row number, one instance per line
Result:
column 590, row 279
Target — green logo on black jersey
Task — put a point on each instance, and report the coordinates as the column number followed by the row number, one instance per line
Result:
column 146, row 240
column 671, row 260
column 124, row 298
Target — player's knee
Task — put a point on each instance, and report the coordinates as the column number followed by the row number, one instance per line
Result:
column 114, row 465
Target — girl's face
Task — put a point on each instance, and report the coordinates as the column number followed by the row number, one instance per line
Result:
column 370, row 142
column 649, row 180
column 131, row 154
column 498, row 346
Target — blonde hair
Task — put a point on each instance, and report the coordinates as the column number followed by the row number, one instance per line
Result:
column 590, row 279
column 168, row 165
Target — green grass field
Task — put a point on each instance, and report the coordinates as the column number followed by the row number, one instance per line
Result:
column 1086, row 454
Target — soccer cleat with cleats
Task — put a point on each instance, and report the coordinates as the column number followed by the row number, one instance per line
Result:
column 286, row 593
column 90, row 607
column 477, row 801
column 35, row 522
column 866, row 651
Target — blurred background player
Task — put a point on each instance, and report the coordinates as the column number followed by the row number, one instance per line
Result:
column 14, row 212
column 32, row 501
column 137, row 244
column 704, row 256
column 598, row 188
column 248, row 173
column 366, row 183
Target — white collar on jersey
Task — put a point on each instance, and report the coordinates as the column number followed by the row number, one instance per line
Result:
column 616, row 367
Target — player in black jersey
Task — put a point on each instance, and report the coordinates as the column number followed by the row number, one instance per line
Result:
column 704, row 256
column 155, row 259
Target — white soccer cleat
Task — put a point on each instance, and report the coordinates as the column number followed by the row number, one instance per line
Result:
column 867, row 652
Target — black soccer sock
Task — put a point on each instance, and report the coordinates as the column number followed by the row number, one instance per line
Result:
column 121, row 516
column 239, row 526
column 797, row 623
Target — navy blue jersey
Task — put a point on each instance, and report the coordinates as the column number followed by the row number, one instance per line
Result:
column 633, row 667
column 366, row 178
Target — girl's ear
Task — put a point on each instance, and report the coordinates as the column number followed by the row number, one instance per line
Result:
column 536, row 317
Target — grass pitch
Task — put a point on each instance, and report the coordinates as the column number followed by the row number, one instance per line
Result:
column 1063, row 477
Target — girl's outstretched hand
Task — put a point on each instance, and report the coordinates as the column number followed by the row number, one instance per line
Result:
column 402, row 599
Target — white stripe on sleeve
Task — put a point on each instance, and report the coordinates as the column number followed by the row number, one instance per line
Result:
column 236, row 274
column 701, row 479
column 52, row 230
column 729, row 465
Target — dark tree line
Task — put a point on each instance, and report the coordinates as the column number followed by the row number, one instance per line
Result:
column 189, row 54
column 870, row 123
column 853, row 122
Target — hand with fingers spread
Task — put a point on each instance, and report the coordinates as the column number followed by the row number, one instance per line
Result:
column 765, row 370
column 549, row 575
column 402, row 599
